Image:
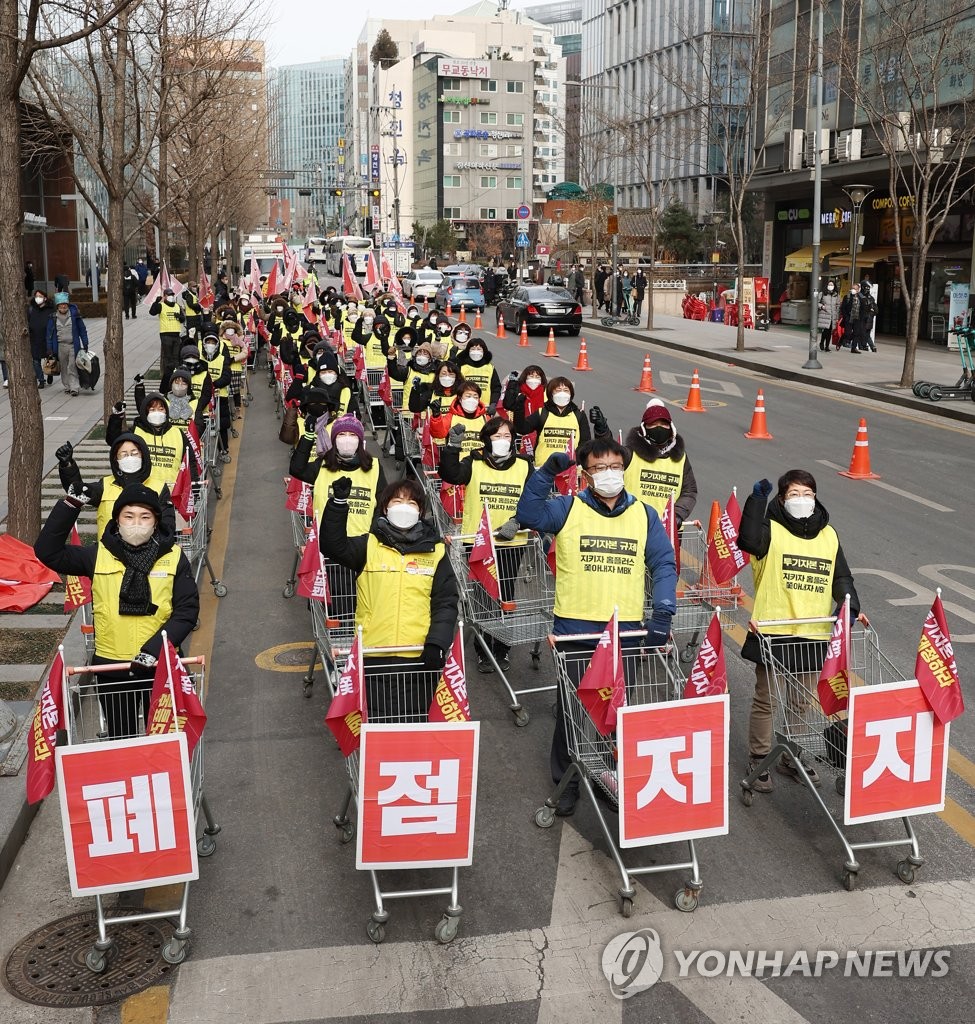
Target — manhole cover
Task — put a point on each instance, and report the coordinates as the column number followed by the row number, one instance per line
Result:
column 48, row 967
column 295, row 657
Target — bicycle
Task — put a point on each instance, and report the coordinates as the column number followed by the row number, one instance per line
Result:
column 629, row 319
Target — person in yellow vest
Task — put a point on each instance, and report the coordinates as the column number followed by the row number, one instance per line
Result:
column 406, row 591
column 141, row 584
column 560, row 421
column 130, row 463
column 166, row 440
column 800, row 572
column 465, row 416
column 216, row 357
column 171, row 317
column 593, row 579
column 476, row 364
column 659, row 466
column 372, row 333
column 200, row 381
column 495, row 474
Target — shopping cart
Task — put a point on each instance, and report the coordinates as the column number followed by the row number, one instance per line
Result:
column 805, row 733
column 300, row 525
column 651, row 677
column 523, row 616
column 371, row 404
column 410, row 435
column 447, row 525
column 194, row 537
column 332, row 626
column 400, row 692
column 91, row 711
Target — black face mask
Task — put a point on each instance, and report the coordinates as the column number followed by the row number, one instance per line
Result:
column 658, row 435
column 318, row 411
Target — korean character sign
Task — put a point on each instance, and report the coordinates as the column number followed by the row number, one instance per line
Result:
column 673, row 770
column 127, row 813
column 896, row 754
column 417, row 795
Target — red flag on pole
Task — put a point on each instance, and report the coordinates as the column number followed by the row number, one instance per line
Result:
column 482, row 564
column 273, row 285
column 311, row 297
column 935, row 668
column 183, row 498
column 347, row 713
column 386, row 389
column 193, row 439
column 602, row 690
column 350, row 286
column 359, row 362
column 312, row 579
column 372, row 274
column 23, row 579
column 725, row 558
column 450, row 703
column 170, row 681
column 299, row 496
column 567, row 482
column 206, row 291
column 709, row 676
column 77, row 589
column 255, row 282
column 833, row 687
column 48, row 719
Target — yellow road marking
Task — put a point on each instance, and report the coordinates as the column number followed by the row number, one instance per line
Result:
column 267, row 660
column 148, row 1007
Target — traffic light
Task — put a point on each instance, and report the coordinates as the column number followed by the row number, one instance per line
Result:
column 336, row 192
column 374, row 192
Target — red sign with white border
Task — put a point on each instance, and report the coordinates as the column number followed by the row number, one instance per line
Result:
column 127, row 813
column 417, row 795
column 896, row 754
column 673, row 770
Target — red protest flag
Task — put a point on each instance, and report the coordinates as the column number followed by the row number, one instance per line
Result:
column 206, row 291
column 935, row 668
column 172, row 680
column 311, row 297
column 273, row 283
column 359, row 362
column 372, row 275
column 347, row 713
column 386, row 389
column 482, row 563
column 299, row 495
column 182, row 495
column 350, row 286
column 709, row 676
column 23, row 579
column 602, row 690
column 450, row 703
column 669, row 520
column 833, row 687
column 567, row 482
column 312, row 579
column 77, row 589
column 48, row 719
column 725, row 558
column 193, row 440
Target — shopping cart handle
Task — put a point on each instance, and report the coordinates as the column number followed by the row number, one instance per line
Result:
column 123, row 666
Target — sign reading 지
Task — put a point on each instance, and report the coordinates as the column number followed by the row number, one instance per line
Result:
column 417, row 795
column 896, row 754
column 127, row 813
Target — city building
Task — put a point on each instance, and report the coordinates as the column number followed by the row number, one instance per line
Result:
column 307, row 109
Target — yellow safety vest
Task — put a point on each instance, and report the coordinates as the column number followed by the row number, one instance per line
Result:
column 795, row 579
column 600, row 564
column 555, row 434
column 411, row 375
column 471, row 441
column 394, row 595
column 500, row 488
column 169, row 322
column 165, row 451
column 362, row 500
column 654, row 482
column 111, row 491
column 482, row 376
column 372, row 350
column 215, row 368
column 120, row 637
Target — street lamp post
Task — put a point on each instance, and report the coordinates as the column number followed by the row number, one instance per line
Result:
column 858, row 196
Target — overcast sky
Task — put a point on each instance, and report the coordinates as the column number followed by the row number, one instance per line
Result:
column 299, row 31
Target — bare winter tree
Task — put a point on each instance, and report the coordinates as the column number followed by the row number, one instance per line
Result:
column 26, row 31
column 912, row 81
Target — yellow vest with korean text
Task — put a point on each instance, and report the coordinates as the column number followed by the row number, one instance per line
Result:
column 169, row 322
column 165, row 450
column 480, row 374
column 394, row 591
column 600, row 564
column 554, row 436
column 120, row 637
column 795, row 579
column 500, row 488
column 362, row 500
column 372, row 350
column 110, row 492
column 654, row 482
column 411, row 376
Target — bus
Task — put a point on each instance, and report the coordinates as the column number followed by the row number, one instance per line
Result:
column 315, row 250
column 339, row 245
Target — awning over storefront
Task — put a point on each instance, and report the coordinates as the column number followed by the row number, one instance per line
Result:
column 865, row 258
column 800, row 261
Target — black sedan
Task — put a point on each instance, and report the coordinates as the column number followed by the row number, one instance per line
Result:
column 540, row 307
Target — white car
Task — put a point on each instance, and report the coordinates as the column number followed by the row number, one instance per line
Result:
column 422, row 284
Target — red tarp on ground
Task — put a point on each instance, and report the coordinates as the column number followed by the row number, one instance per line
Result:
column 23, row 580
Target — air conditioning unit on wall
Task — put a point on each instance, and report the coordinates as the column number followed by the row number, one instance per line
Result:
column 849, row 144
column 792, row 159
column 810, row 149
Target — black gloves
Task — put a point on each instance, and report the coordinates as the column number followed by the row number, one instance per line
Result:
column 118, row 408
column 492, row 409
column 342, row 488
column 436, row 408
column 139, row 378
column 433, row 657
column 508, row 530
column 658, row 630
column 598, row 420
column 65, row 453
column 456, row 436
column 762, row 489
column 557, row 462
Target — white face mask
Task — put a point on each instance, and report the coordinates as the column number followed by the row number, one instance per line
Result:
column 130, row 464
column 800, row 508
column 476, row 354
column 346, row 445
column 211, row 350
column 533, row 382
column 156, row 419
column 500, row 447
column 829, row 288
column 403, row 516
column 469, row 403
column 179, row 390
column 330, row 376
column 561, row 398
column 230, row 332
column 136, row 533
column 608, row 483
column 40, row 300
column 422, row 360
column 447, row 382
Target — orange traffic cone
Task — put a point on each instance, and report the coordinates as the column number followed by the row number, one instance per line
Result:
column 499, row 333
column 582, row 363
column 426, row 304
column 523, row 336
column 477, row 320
column 550, row 349
column 694, row 396
column 462, row 317
column 860, row 460
column 646, row 378
column 758, row 431
column 450, row 311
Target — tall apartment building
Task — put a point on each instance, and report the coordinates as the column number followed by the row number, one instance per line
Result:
column 307, row 104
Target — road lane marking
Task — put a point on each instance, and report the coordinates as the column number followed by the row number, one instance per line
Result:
column 893, row 490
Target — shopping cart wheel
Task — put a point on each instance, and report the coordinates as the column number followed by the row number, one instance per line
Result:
column 205, row 845
column 174, row 952
column 307, row 686
column 446, row 930
column 96, row 960
column 521, row 717
column 234, row 432
column 840, row 784
column 536, row 660
column 907, row 872
column 687, row 654
column 625, row 904
column 289, row 590
column 220, row 589
column 849, row 880
column 545, row 816
column 747, row 796
column 686, row 900
column 375, row 931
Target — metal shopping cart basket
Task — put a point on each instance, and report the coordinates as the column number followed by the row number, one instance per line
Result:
column 397, row 692
column 651, row 677
column 194, row 537
column 372, row 406
column 804, row 733
column 103, row 711
column 332, row 625
column 410, row 436
column 523, row 616
column 447, row 525
column 301, row 523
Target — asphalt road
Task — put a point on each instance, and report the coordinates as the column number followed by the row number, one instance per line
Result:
column 279, row 913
